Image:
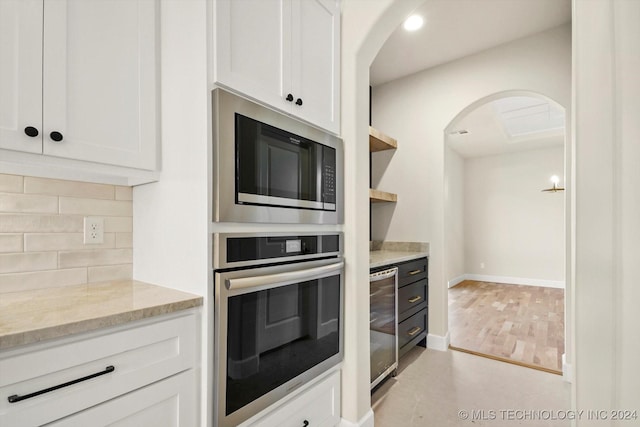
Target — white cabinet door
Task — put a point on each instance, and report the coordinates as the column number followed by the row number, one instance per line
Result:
column 283, row 53
column 99, row 84
column 316, row 62
column 319, row 406
column 127, row 358
column 168, row 403
column 21, row 75
column 252, row 48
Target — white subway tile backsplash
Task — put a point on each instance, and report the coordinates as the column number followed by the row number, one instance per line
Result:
column 26, row 203
column 68, row 188
column 30, row 223
column 11, row 243
column 124, row 240
column 96, row 257
column 114, row 224
column 64, row 242
column 42, row 279
column 24, row 262
column 41, row 233
column 11, row 183
column 124, row 193
column 72, row 205
column 110, row 272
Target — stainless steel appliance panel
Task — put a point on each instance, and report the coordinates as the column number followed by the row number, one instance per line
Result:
column 383, row 324
column 229, row 206
column 298, row 305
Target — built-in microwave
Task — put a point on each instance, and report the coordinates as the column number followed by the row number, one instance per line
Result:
column 269, row 167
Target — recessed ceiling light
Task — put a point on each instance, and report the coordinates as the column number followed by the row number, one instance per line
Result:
column 413, row 23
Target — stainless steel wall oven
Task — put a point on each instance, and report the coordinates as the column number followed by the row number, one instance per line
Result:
column 278, row 323
column 268, row 167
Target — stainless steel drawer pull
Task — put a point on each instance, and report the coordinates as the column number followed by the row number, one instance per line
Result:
column 414, row 272
column 414, row 299
column 414, row 331
column 15, row 398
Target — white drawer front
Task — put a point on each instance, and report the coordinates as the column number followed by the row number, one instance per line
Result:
column 139, row 355
column 316, row 407
column 168, row 403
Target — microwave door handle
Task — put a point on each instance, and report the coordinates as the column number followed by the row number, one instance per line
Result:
column 285, row 278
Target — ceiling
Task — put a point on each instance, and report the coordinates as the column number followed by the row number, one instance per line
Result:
column 457, row 28
column 508, row 125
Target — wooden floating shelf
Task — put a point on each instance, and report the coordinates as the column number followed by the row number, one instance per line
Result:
column 378, row 141
column 377, row 196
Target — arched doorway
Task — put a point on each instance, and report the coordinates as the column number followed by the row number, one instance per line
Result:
column 501, row 230
column 366, row 25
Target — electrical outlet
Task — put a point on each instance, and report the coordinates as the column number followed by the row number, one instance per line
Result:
column 482, row 265
column 93, row 230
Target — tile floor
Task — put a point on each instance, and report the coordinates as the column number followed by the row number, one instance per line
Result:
column 432, row 387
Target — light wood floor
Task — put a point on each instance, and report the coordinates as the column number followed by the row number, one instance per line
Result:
column 518, row 324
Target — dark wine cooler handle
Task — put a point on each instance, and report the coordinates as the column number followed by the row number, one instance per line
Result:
column 15, row 398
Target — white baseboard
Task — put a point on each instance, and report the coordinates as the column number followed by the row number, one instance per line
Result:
column 366, row 421
column 438, row 342
column 567, row 369
column 516, row 280
column 451, row 283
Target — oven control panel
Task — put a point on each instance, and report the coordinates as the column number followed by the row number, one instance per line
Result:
column 293, row 246
column 250, row 249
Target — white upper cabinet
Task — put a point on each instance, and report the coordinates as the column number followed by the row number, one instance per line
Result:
column 83, row 75
column 284, row 53
column 100, row 81
column 316, row 62
column 21, row 75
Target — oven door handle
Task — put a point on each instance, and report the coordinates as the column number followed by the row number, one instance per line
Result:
column 285, row 278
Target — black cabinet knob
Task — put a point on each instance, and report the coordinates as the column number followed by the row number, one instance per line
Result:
column 289, row 98
column 56, row 136
column 305, row 423
column 31, row 131
column 299, row 101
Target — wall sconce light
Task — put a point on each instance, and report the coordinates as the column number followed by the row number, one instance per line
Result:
column 555, row 180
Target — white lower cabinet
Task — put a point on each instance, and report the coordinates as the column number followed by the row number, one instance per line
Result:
column 144, row 371
column 167, row 403
column 319, row 406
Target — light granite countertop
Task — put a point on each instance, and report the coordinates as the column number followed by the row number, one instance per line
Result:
column 387, row 257
column 32, row 316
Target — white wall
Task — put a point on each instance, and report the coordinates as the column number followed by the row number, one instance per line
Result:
column 417, row 109
column 512, row 227
column 607, row 207
column 170, row 217
column 605, row 307
column 627, row 36
column 366, row 24
column 454, row 199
